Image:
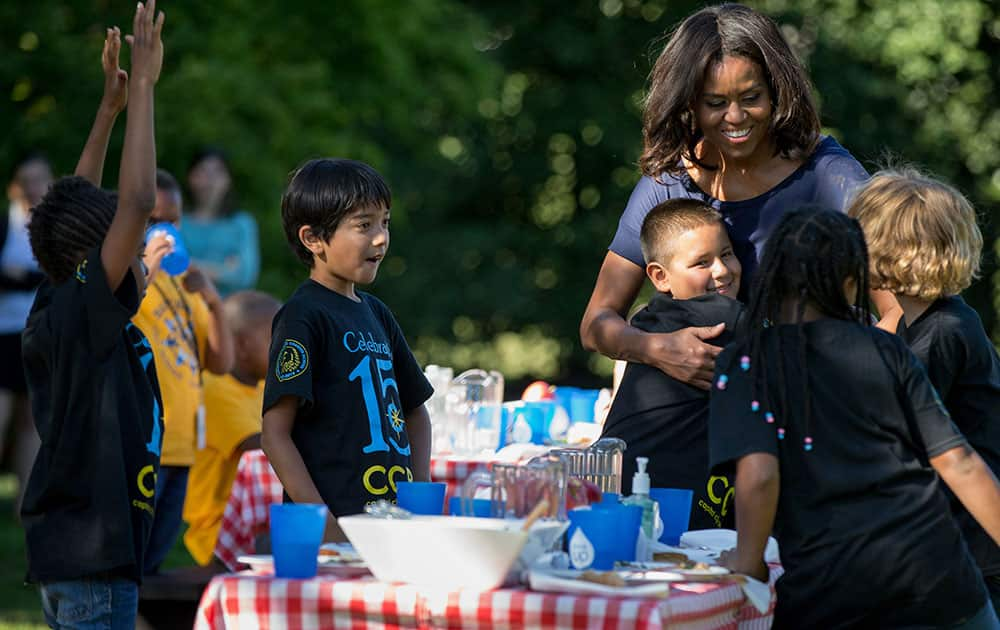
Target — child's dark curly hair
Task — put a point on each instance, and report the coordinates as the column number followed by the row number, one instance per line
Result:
column 72, row 219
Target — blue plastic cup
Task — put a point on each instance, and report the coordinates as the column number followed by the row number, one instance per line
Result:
column 479, row 508
column 177, row 261
column 540, row 419
column 527, row 424
column 629, row 521
column 421, row 497
column 296, row 534
column 581, row 405
column 564, row 398
column 600, row 544
column 675, row 511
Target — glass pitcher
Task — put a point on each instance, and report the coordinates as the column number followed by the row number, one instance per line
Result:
column 473, row 412
column 515, row 489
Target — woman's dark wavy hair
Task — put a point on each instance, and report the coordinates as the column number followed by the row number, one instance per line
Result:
column 670, row 129
column 73, row 218
column 322, row 192
column 807, row 259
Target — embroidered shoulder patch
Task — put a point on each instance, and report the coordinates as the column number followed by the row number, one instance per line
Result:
column 81, row 272
column 293, row 361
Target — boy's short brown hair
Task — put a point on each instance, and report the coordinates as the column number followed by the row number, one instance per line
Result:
column 923, row 240
column 668, row 220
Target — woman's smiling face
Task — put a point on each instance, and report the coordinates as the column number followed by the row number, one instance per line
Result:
column 734, row 110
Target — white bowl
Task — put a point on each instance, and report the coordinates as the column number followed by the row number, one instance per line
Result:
column 440, row 552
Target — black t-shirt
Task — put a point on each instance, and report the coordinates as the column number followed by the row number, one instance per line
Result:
column 348, row 364
column 666, row 420
column 866, row 536
column 88, row 505
column 962, row 364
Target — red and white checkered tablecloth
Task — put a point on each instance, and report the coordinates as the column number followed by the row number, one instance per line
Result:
column 247, row 514
column 247, row 602
column 256, row 487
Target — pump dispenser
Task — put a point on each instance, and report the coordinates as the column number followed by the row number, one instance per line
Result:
column 651, row 524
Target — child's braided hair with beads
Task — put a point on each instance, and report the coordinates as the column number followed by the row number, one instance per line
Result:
column 807, row 260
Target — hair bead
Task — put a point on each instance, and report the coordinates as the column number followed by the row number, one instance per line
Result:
column 745, row 363
column 723, row 380
column 781, row 433
column 755, row 406
column 769, row 417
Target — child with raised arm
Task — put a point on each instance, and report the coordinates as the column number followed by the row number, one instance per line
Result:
column 839, row 442
column 344, row 415
column 182, row 317
column 88, row 506
column 926, row 249
column 690, row 261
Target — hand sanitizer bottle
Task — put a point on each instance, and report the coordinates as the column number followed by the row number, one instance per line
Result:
column 651, row 524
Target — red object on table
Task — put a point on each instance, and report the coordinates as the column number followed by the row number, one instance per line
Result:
column 247, row 601
column 256, row 487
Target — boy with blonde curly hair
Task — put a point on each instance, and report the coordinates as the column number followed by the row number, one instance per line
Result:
column 925, row 248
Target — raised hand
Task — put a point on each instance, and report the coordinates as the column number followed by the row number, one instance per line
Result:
column 115, row 79
column 147, row 46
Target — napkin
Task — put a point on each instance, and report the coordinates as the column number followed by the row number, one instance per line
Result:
column 719, row 540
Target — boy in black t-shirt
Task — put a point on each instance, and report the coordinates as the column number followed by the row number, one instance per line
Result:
column 344, row 418
column 691, row 263
column 909, row 217
column 88, row 505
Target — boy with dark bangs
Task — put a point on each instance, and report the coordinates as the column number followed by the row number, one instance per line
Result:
column 344, row 415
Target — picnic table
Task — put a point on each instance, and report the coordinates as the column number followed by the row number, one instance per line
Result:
column 256, row 487
column 247, row 601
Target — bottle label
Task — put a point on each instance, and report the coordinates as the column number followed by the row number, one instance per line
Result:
column 581, row 551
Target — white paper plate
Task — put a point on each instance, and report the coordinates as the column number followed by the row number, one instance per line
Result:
column 263, row 564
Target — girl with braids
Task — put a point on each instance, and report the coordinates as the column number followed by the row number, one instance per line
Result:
column 927, row 247
column 730, row 121
column 88, row 505
column 839, row 443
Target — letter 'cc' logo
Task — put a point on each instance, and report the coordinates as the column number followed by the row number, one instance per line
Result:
column 293, row 360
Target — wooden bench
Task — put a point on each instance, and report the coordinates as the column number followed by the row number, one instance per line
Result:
column 169, row 599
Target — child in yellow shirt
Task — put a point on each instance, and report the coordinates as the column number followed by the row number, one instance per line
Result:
column 232, row 419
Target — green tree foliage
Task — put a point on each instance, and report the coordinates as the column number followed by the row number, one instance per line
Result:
column 508, row 131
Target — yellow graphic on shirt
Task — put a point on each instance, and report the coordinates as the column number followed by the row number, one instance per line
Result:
column 81, row 272
column 720, row 493
column 377, row 481
column 144, row 489
column 293, row 361
column 396, row 418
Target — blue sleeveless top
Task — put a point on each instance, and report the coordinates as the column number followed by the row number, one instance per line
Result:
column 826, row 180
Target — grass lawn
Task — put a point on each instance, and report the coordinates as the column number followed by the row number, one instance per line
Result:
column 20, row 608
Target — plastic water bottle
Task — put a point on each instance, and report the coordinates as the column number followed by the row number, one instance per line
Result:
column 177, row 261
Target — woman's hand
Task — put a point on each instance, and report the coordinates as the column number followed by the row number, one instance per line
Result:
column 684, row 355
